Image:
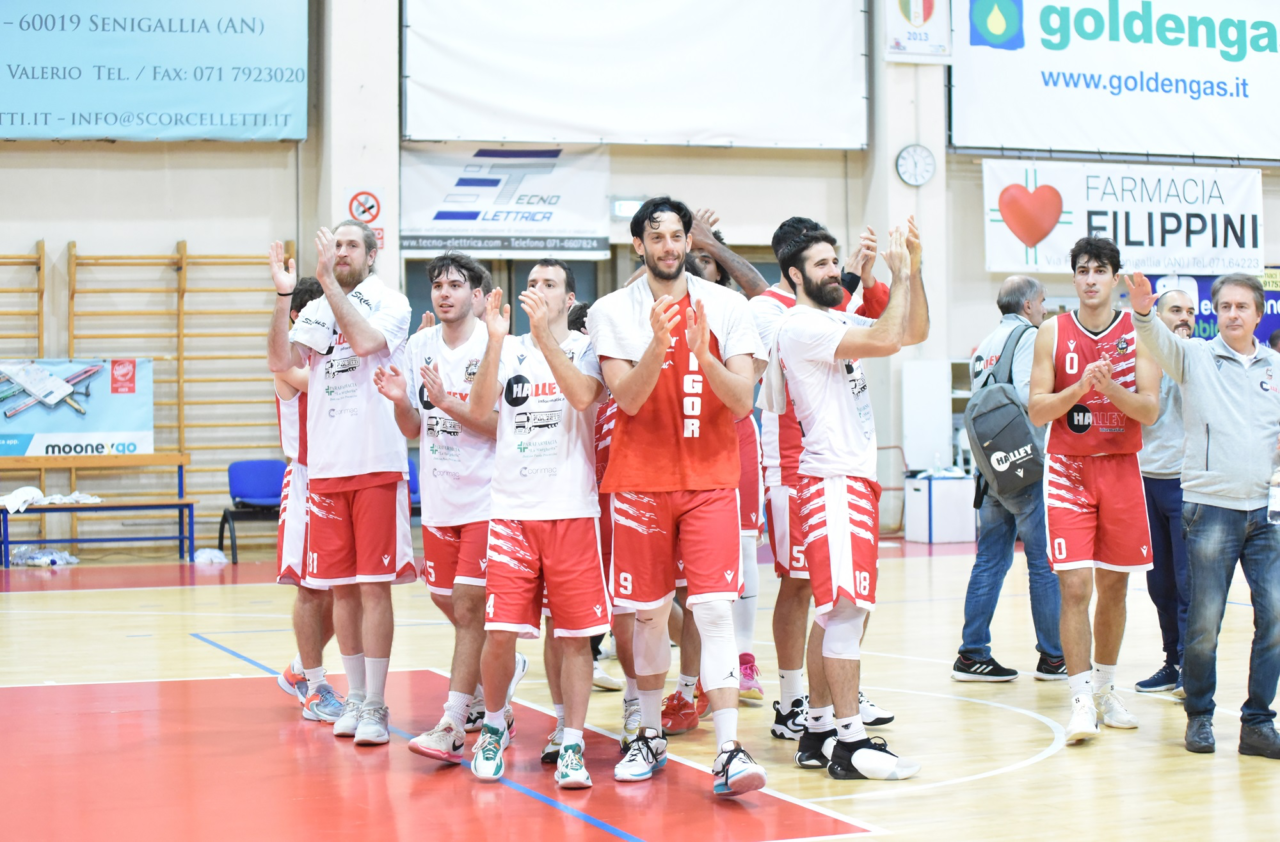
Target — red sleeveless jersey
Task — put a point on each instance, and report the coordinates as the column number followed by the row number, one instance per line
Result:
column 1094, row 426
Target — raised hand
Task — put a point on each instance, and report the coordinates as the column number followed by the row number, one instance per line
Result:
column 913, row 244
column 535, row 307
column 391, row 383
column 698, row 332
column 664, row 315
column 497, row 317
column 896, row 255
column 704, row 222
column 326, row 254
column 428, row 321
column 432, row 382
column 1141, row 296
column 862, row 262
column 285, row 279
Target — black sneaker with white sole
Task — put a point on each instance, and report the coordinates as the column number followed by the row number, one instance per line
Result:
column 789, row 725
column 814, row 751
column 869, row 759
column 965, row 669
column 1050, row 670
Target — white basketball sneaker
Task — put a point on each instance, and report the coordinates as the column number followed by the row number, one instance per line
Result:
column 443, row 742
column 1114, row 713
column 1083, row 724
column 571, row 771
column 372, row 729
column 736, row 772
column 345, row 725
column 646, row 754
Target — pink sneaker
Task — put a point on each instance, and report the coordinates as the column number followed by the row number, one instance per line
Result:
column 749, row 688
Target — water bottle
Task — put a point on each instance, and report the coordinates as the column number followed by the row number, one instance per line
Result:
column 1273, row 498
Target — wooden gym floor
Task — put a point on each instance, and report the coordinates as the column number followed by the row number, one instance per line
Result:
column 143, row 706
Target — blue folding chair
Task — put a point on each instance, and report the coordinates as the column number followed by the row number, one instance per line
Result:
column 255, row 486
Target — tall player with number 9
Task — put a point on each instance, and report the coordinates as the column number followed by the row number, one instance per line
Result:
column 1096, row 387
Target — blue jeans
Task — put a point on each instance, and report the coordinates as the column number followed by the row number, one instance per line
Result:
column 1216, row 539
column 1000, row 524
column 1167, row 579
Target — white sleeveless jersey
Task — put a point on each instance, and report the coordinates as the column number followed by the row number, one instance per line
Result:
column 292, row 415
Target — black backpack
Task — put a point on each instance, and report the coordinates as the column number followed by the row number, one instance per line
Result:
column 1000, row 433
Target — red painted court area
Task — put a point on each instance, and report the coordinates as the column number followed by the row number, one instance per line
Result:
column 232, row 759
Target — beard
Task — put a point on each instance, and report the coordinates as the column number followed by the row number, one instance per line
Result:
column 349, row 277
column 651, row 265
column 822, row 294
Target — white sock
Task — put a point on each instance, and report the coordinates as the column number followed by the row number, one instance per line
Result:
column 376, row 668
column 296, row 664
column 651, row 709
column 354, row 667
column 726, row 722
column 822, row 719
column 850, row 730
column 496, row 719
column 686, row 685
column 559, row 716
column 632, row 692
column 1104, row 678
column 315, row 678
column 792, row 687
column 1080, row 684
column 456, row 707
column 572, row 736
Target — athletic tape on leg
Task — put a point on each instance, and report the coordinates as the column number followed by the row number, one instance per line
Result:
column 843, row 635
column 652, row 645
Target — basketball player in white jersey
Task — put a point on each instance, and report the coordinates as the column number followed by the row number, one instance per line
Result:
column 543, row 537
column 304, row 678
column 817, row 360
column 430, row 398
column 358, row 535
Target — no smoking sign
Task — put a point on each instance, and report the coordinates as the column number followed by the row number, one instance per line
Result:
column 364, row 206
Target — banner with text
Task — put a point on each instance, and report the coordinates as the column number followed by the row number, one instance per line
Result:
column 1178, row 77
column 1192, row 220
column 1199, row 288
column 917, row 31
column 154, row 70
column 498, row 201
column 76, row 407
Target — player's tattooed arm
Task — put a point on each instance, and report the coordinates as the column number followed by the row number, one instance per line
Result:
column 916, row 329
column 581, row 390
column 733, row 380
column 486, row 388
column 738, row 267
column 1045, row 404
column 632, row 383
column 281, row 353
column 364, row 338
column 393, row 385
column 484, row 424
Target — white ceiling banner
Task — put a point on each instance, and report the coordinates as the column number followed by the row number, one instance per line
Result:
column 752, row 73
column 1181, row 220
column 1178, row 77
column 503, row 201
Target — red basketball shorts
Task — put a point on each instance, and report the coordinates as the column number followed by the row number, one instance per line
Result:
column 662, row 536
column 454, row 554
column 786, row 538
column 555, row 560
column 1096, row 508
column 840, row 521
column 291, row 534
column 751, row 480
column 360, row 536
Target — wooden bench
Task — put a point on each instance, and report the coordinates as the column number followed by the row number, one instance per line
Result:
column 185, row 506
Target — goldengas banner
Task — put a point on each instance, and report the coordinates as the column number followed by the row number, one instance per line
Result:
column 1171, row 77
column 76, row 407
column 1184, row 220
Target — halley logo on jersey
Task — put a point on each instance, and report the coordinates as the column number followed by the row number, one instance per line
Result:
column 518, row 391
column 692, row 404
column 1079, row 419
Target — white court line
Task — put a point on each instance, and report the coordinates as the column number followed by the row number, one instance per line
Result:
column 782, row 796
column 1059, row 740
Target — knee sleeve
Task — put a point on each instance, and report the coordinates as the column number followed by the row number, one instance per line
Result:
column 719, row 648
column 750, row 567
column 843, row 626
column 652, row 645
column 744, row 609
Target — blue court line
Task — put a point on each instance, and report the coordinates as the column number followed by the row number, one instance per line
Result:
column 520, row 788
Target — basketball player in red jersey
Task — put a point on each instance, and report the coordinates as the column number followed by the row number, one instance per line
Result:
column 673, row 472
column 1096, row 386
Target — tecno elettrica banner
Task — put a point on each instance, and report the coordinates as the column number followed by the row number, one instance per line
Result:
column 1165, row 219
column 76, row 407
column 1174, row 77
